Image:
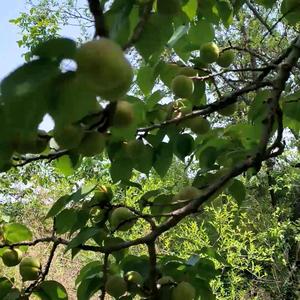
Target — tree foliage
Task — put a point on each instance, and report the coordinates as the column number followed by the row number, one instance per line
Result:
column 211, row 83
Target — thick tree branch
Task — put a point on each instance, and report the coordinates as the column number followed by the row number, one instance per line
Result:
column 105, row 271
column 97, row 12
column 153, row 270
column 212, row 107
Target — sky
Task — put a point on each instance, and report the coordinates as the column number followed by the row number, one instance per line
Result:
column 11, row 54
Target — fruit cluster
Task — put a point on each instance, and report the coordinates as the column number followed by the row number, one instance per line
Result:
column 29, row 267
column 183, row 84
column 102, row 71
column 133, row 282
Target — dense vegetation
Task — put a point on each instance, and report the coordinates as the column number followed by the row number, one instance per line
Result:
column 172, row 169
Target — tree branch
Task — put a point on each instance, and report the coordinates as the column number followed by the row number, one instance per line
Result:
column 258, row 16
column 97, row 12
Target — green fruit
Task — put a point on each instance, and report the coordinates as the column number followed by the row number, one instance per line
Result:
column 227, row 111
column 68, row 137
column 116, row 286
column 188, row 71
column 96, row 215
column 92, row 144
column 209, row 52
column 119, row 216
column 102, row 196
column 107, row 70
column 30, row 268
column 12, row 257
column 187, row 193
column 134, row 277
column 226, row 58
column 182, row 86
column 165, row 280
column 170, row 7
column 168, row 72
column 198, row 125
column 123, row 115
column 184, row 291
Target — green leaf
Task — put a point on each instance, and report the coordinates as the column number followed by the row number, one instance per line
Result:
column 121, row 169
column 291, row 106
column 259, row 107
column 138, row 264
column 203, row 289
column 146, row 79
column 81, row 220
column 247, row 134
column 15, row 232
column 112, row 241
column 183, row 48
column 198, row 97
column 266, row 3
column 291, row 12
column 207, row 9
column 5, row 287
column 26, row 96
column 225, row 10
column 162, row 204
column 72, row 100
column 208, row 157
column 84, row 235
column 14, row 294
column 163, row 158
column 120, row 19
column 58, row 48
column 156, row 33
column 206, row 269
column 154, row 98
column 51, row 290
column 144, row 160
column 201, row 32
column 148, row 196
column 178, row 34
column 59, row 205
column 92, row 269
column 190, row 8
column 184, row 145
column 168, row 72
column 238, row 191
column 88, row 288
column 65, row 220
column 66, row 199
column 27, row 78
column 64, row 165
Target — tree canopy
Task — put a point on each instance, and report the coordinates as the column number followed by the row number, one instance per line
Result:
column 210, row 86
